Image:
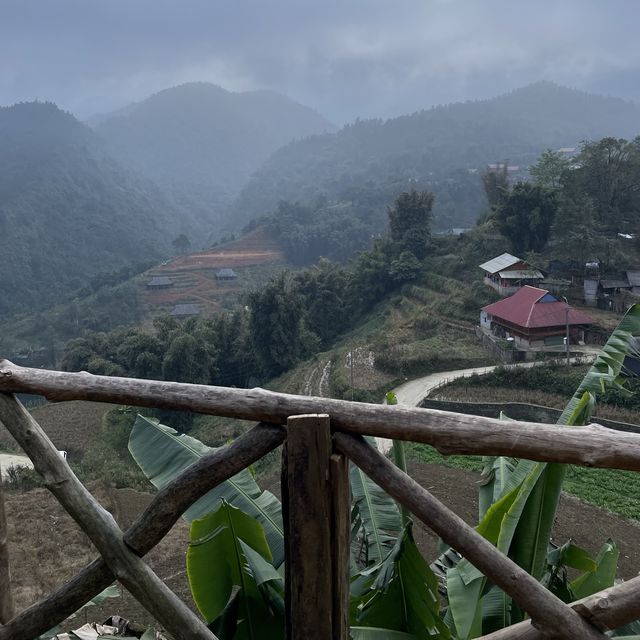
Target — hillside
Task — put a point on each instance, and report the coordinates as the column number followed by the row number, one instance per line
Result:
column 67, row 210
column 443, row 150
column 201, row 142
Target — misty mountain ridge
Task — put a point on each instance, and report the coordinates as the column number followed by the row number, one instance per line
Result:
column 442, row 149
column 67, row 209
column 201, row 143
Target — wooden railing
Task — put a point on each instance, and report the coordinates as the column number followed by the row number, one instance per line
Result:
column 320, row 435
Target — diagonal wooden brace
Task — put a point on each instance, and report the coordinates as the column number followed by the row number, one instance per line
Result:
column 148, row 530
column 100, row 526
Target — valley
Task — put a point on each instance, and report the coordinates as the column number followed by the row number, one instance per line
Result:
column 239, row 239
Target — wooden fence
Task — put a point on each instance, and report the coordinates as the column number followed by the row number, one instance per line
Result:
column 320, row 435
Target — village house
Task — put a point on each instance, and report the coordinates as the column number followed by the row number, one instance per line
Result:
column 185, row 311
column 506, row 274
column 159, row 282
column 612, row 293
column 532, row 318
column 226, row 274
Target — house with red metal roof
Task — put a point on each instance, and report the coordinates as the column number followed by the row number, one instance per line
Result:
column 534, row 318
column 507, row 273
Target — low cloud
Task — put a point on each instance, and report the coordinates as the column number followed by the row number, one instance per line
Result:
column 347, row 59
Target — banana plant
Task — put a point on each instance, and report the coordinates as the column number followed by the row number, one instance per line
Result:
column 399, row 594
column 519, row 500
column 232, row 578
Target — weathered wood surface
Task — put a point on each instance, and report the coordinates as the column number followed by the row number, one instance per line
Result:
column 548, row 612
column 306, row 492
column 162, row 513
column 6, row 599
column 450, row 433
column 609, row 609
column 99, row 525
column 341, row 543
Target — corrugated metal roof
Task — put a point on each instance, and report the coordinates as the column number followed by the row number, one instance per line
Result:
column 160, row 281
column 634, row 278
column 521, row 274
column 527, row 309
column 185, row 310
column 614, row 284
column 499, row 263
column 226, row 273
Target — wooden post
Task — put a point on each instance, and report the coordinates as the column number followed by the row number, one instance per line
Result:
column 6, row 601
column 341, row 536
column 306, row 494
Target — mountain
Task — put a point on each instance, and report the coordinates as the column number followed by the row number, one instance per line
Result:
column 67, row 210
column 201, row 143
column 443, row 149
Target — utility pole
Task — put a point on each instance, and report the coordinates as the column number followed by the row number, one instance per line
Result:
column 351, row 363
column 566, row 339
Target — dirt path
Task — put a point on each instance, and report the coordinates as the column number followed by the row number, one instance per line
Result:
column 10, row 460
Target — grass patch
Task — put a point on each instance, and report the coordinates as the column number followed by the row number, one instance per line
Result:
column 610, row 489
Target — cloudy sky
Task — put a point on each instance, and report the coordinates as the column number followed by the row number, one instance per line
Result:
column 346, row 58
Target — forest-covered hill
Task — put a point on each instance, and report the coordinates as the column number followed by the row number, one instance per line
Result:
column 67, row 210
column 201, row 143
column 442, row 149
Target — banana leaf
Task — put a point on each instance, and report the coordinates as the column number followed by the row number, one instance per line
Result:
column 400, row 594
column 163, row 454
column 377, row 516
column 600, row 577
column 228, row 550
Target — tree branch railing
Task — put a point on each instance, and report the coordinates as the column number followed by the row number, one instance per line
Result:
column 314, row 472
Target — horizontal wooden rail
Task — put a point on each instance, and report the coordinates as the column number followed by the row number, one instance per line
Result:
column 450, row 433
column 547, row 611
column 148, row 530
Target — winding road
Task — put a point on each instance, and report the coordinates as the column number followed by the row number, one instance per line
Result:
column 411, row 393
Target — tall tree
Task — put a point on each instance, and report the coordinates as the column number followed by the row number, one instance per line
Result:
column 526, row 216
column 496, row 184
column 550, row 169
column 410, row 219
column 609, row 173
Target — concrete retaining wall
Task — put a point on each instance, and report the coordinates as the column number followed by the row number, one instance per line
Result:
column 517, row 411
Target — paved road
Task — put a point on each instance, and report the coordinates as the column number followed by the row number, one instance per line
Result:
column 411, row 393
column 10, row 460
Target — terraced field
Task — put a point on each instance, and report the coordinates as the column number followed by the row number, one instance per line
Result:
column 254, row 258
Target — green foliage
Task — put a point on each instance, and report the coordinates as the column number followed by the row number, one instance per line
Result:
column 496, row 185
column 607, row 173
column 276, row 326
column 163, row 454
column 520, row 518
column 525, row 216
column 410, row 223
column 550, row 170
column 399, row 594
column 378, row 516
column 23, row 478
column 440, row 150
column 67, row 211
column 337, row 232
column 229, row 561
